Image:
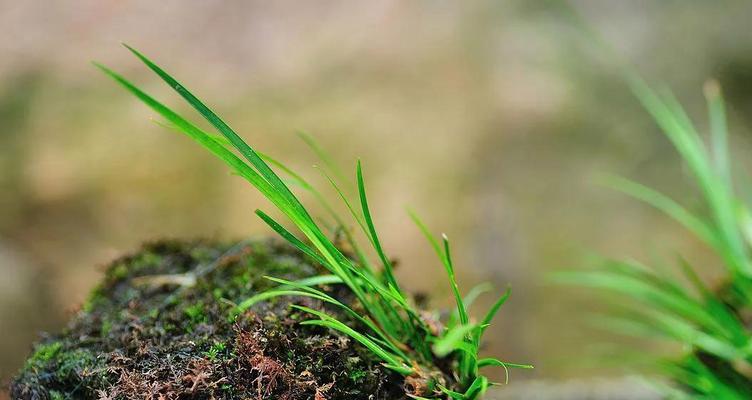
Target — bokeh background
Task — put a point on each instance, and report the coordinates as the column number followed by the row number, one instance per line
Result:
column 492, row 119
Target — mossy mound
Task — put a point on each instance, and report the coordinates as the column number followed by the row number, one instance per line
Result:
column 158, row 327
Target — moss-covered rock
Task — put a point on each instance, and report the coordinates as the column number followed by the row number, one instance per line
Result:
column 159, row 327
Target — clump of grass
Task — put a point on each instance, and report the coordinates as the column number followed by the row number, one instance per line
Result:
column 711, row 324
column 392, row 327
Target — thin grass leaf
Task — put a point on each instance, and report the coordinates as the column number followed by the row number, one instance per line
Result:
column 318, row 280
column 491, row 314
column 462, row 311
column 292, row 239
column 445, row 256
column 388, row 271
column 322, row 154
column 244, row 149
column 303, row 183
column 493, row 362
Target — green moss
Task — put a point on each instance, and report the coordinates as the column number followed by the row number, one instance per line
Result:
column 215, row 350
column 196, row 313
column 96, row 298
column 44, row 353
column 106, row 328
column 242, row 280
column 77, row 363
column 358, row 375
column 147, row 260
column 118, row 272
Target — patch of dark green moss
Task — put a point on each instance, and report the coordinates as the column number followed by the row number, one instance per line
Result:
column 158, row 327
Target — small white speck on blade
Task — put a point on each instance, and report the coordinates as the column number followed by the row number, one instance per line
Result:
column 627, row 388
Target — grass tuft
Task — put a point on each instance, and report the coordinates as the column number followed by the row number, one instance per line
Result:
column 392, row 326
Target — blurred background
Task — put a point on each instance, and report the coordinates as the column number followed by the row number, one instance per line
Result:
column 492, row 119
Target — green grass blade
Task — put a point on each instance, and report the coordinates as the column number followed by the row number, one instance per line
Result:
column 388, row 271
column 292, row 239
column 305, row 286
column 192, row 131
column 491, row 314
column 461, row 310
column 446, row 259
column 244, row 149
column 270, row 294
column 493, row 362
column 318, row 280
column 477, row 388
column 300, row 181
column 468, row 301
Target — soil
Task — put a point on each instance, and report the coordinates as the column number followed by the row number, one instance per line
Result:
column 159, row 327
